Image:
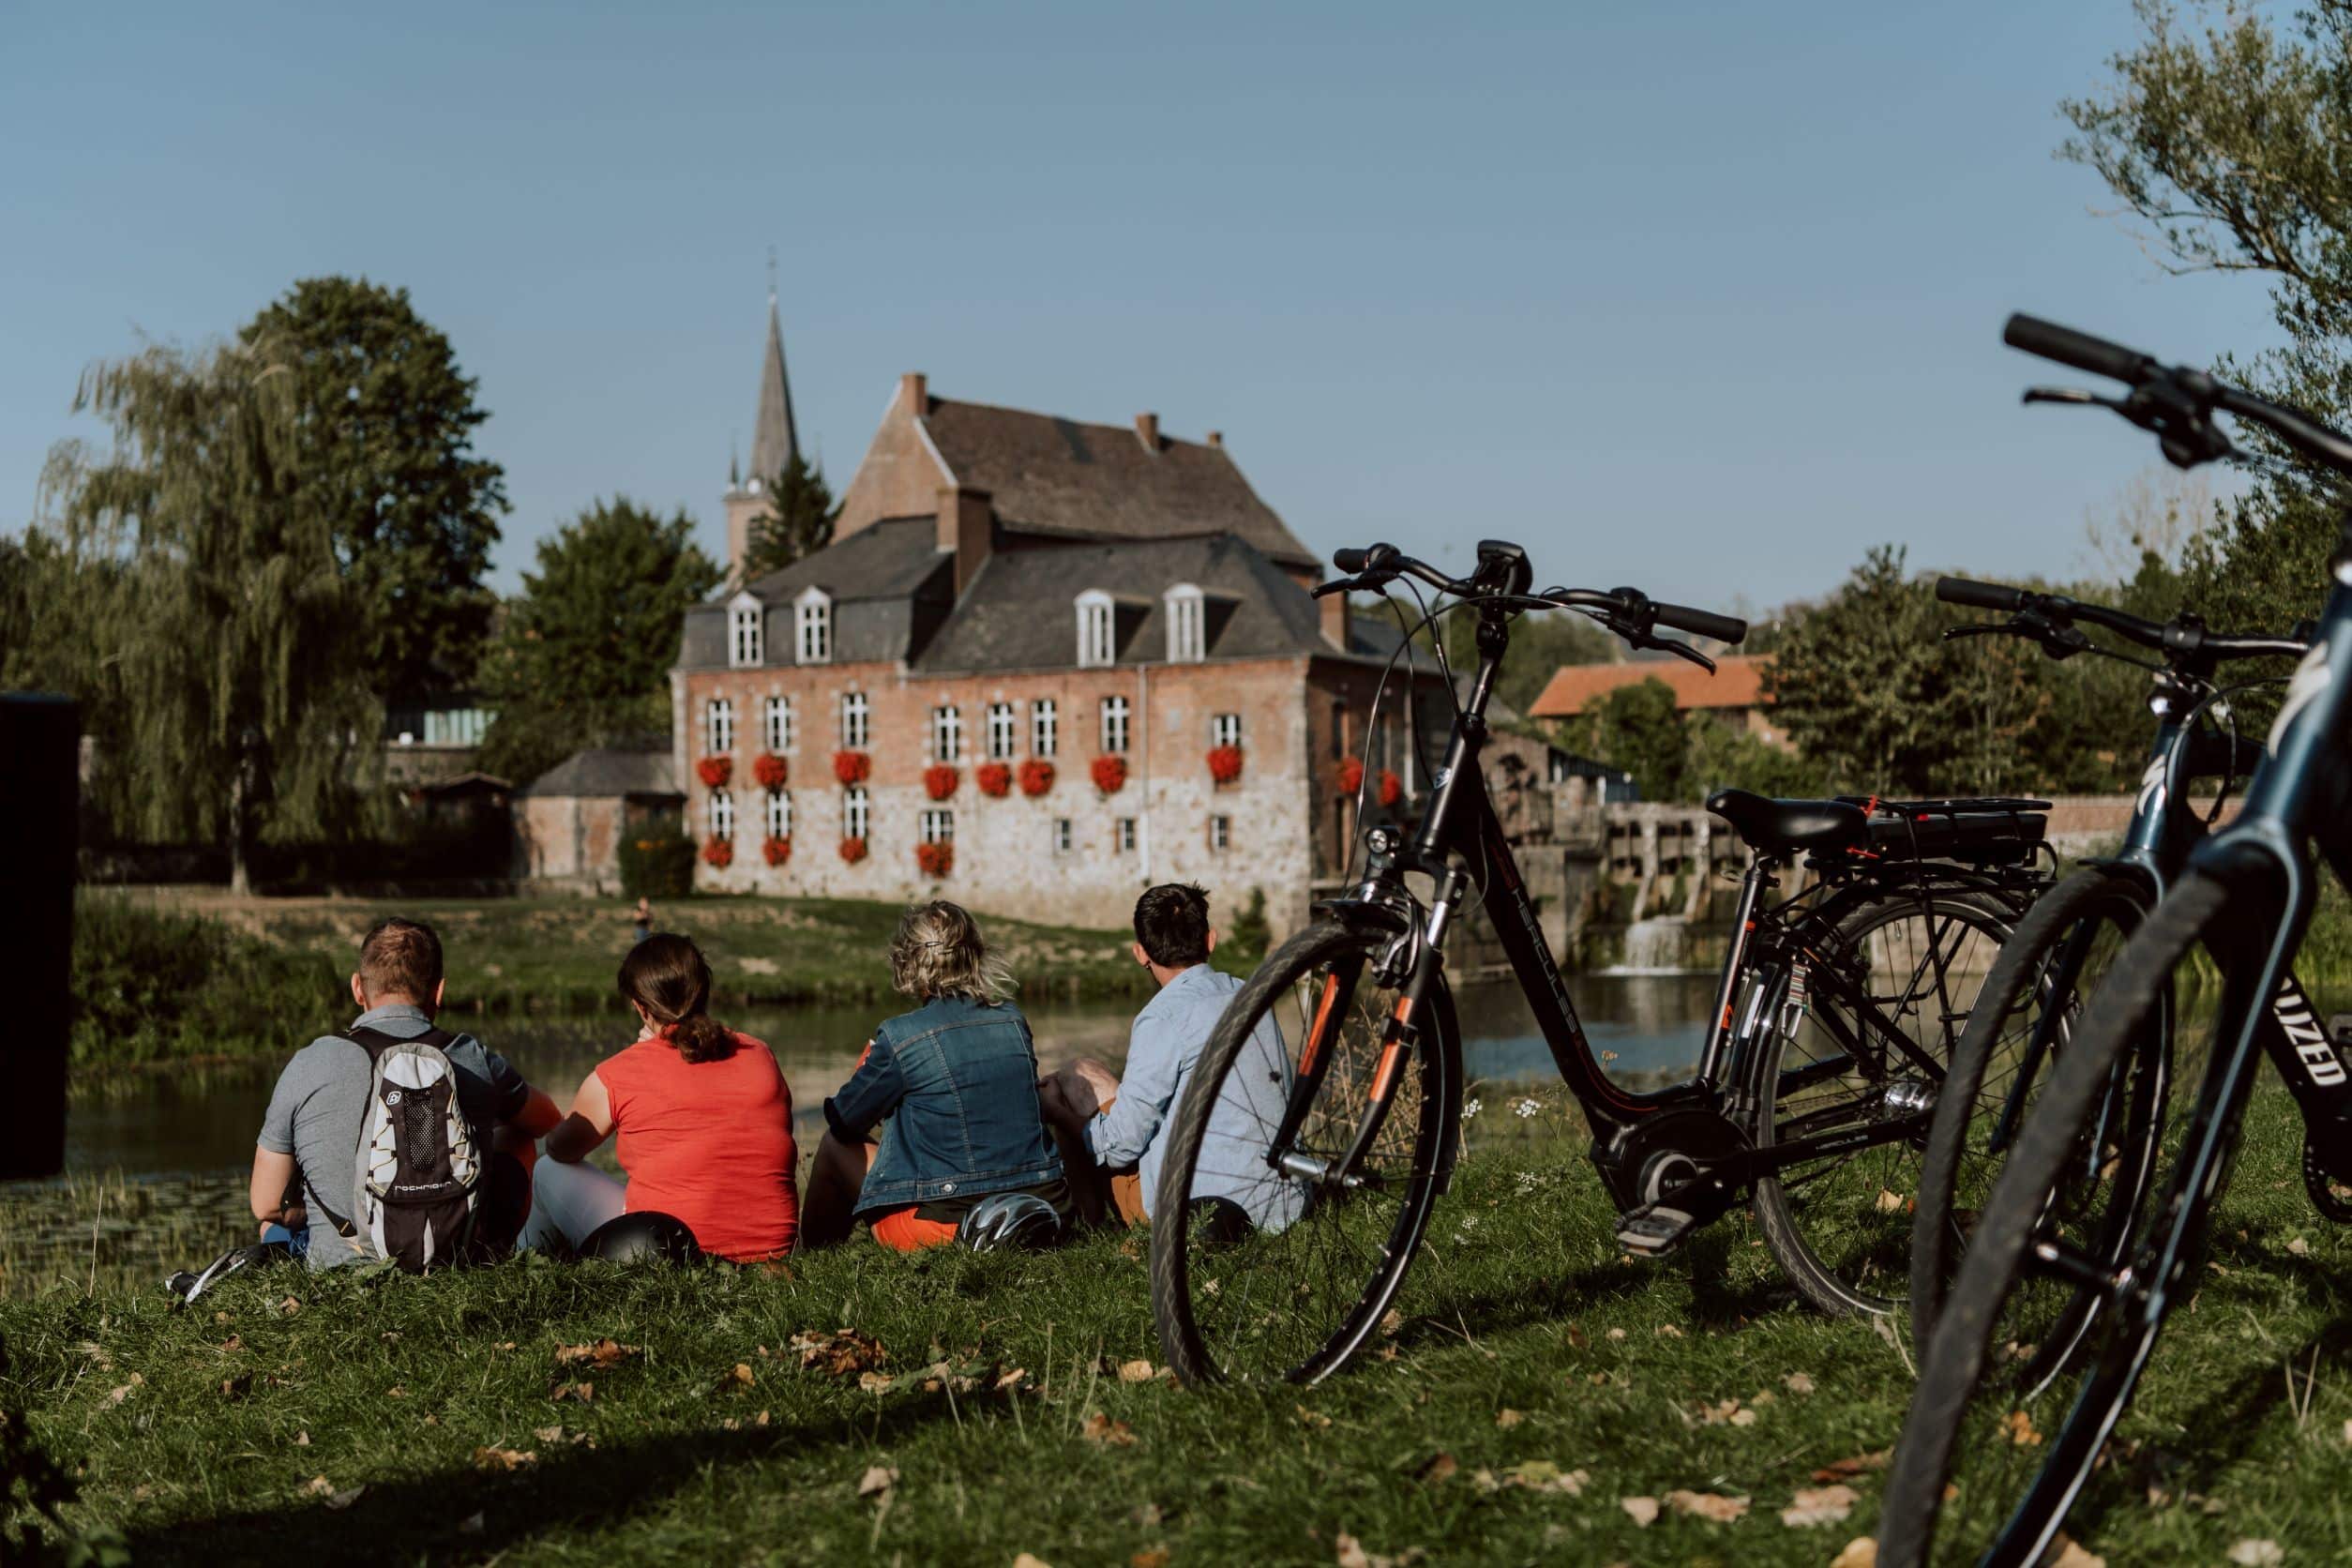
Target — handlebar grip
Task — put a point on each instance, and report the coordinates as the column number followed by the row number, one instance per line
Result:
column 1979, row 596
column 2078, row 349
column 1699, row 623
column 1349, row 560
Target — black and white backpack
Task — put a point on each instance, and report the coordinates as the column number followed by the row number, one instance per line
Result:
column 417, row 1181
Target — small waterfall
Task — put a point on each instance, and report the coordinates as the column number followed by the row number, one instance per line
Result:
column 1658, row 945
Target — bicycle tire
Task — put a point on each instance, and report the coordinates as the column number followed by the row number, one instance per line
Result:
column 1199, row 1321
column 1992, row 1271
column 1799, row 1235
column 1937, row 1237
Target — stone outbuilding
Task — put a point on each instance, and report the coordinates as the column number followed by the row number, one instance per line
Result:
column 569, row 821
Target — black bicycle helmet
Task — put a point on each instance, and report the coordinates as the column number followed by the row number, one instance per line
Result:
column 640, row 1238
column 1009, row 1219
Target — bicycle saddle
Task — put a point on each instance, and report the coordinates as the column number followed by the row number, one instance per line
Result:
column 1789, row 827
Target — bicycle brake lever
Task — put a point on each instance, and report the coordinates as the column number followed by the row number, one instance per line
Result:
column 2075, row 395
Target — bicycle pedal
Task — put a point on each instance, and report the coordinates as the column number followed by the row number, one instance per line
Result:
column 1654, row 1230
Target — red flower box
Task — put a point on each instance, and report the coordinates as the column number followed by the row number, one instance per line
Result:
column 936, row 860
column 718, row 853
column 994, row 778
column 851, row 767
column 779, row 851
column 1224, row 763
column 771, row 770
column 715, row 770
column 1391, row 788
column 1110, row 774
column 852, row 850
column 1350, row 775
column 940, row 781
column 1036, row 776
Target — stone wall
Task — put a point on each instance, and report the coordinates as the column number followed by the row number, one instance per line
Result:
column 569, row 844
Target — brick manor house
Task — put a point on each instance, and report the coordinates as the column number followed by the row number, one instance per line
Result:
column 1043, row 664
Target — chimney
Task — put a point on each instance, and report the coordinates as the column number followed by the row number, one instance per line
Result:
column 1216, row 439
column 1335, row 619
column 1147, row 426
column 915, row 390
column 965, row 527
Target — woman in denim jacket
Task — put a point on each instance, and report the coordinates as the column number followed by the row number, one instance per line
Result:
column 952, row 1087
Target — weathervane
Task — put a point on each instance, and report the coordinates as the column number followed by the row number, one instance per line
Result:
column 771, row 275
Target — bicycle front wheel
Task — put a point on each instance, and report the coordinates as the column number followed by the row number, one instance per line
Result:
column 1303, row 1159
column 1868, row 1045
column 2022, row 1020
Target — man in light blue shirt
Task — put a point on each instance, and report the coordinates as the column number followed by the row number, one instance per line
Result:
column 1114, row 1131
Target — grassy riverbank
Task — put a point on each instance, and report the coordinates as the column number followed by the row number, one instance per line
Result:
column 179, row 979
column 295, row 1417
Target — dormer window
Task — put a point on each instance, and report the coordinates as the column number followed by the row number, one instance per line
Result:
column 812, row 615
column 1096, row 647
column 1187, row 625
column 744, row 638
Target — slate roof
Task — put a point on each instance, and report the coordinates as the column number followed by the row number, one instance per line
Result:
column 607, row 771
column 1053, row 475
column 892, row 559
column 1738, row 683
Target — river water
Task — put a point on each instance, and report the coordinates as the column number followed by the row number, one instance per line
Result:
column 168, row 1128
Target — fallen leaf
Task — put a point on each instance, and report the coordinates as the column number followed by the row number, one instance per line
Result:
column 1542, row 1475
column 318, row 1486
column 395, row 1391
column 234, row 1388
column 582, row 1392
column 1708, row 1505
column 1316, row 1418
column 1012, row 1380
column 1438, row 1469
column 346, row 1497
column 1100, row 1429
column 1151, row 1556
column 1889, row 1202
column 2299, row 1247
column 2256, row 1554
column 877, row 1479
column 2017, row 1427
column 875, row 1382
column 116, row 1395
column 2071, row 1555
column 740, row 1376
column 1861, row 1464
column 1644, row 1511
column 1667, row 1331
column 1861, row 1552
column 495, row 1458
column 302, row 1440
column 1819, row 1505
column 1617, row 1333
column 1508, row 1418
column 1796, row 1382
column 839, row 1353
column 289, row 1307
column 232, row 1345
column 601, row 1353
column 1352, row 1553
column 1576, row 1337
column 1025, row 1560
column 1136, row 1372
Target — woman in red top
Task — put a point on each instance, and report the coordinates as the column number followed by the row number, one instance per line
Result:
column 704, row 1118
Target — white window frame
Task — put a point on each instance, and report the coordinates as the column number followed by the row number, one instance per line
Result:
column 1187, row 623
column 1224, row 730
column 720, row 814
column 1123, row 836
column 856, row 813
column 812, row 626
column 1115, row 727
column 947, row 734
column 1062, row 838
column 939, row 825
column 779, row 813
column 1098, row 629
column 776, row 725
column 719, row 725
column 857, row 722
column 1004, row 731
column 746, row 632
column 1220, row 834
column 1045, row 727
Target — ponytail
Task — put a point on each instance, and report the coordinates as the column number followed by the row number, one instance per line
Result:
column 668, row 976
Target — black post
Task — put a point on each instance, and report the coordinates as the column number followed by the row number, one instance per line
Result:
column 41, row 792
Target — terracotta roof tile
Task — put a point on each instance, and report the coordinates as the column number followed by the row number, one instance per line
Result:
column 1736, row 683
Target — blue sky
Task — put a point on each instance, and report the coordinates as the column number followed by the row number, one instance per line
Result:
column 1704, row 299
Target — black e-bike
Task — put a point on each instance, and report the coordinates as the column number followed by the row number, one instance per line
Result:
column 1999, row 1444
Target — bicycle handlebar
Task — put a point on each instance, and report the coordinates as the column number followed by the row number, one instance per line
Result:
column 1979, row 596
column 1501, row 577
column 2078, row 349
column 2184, row 634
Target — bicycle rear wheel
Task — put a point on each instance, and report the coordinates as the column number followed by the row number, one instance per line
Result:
column 2066, row 944
column 2043, row 1337
column 1302, row 1066
column 1888, row 991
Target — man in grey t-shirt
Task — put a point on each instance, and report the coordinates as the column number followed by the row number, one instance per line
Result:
column 312, row 1128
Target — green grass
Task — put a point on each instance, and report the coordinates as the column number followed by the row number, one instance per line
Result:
column 197, row 1434
column 184, row 981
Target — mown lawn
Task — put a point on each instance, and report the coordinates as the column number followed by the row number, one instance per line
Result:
column 295, row 1418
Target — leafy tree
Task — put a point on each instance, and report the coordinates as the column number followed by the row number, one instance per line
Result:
column 213, row 628
column 798, row 522
column 385, row 456
column 1720, row 756
column 584, row 657
column 2225, row 142
column 1636, row 727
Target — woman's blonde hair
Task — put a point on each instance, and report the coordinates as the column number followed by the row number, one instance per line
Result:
column 937, row 951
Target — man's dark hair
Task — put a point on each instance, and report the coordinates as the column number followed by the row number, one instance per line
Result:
column 400, row 958
column 1171, row 921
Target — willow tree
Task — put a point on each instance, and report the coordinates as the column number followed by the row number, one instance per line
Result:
column 219, row 640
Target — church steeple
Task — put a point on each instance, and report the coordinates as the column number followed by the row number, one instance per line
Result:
column 774, row 441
